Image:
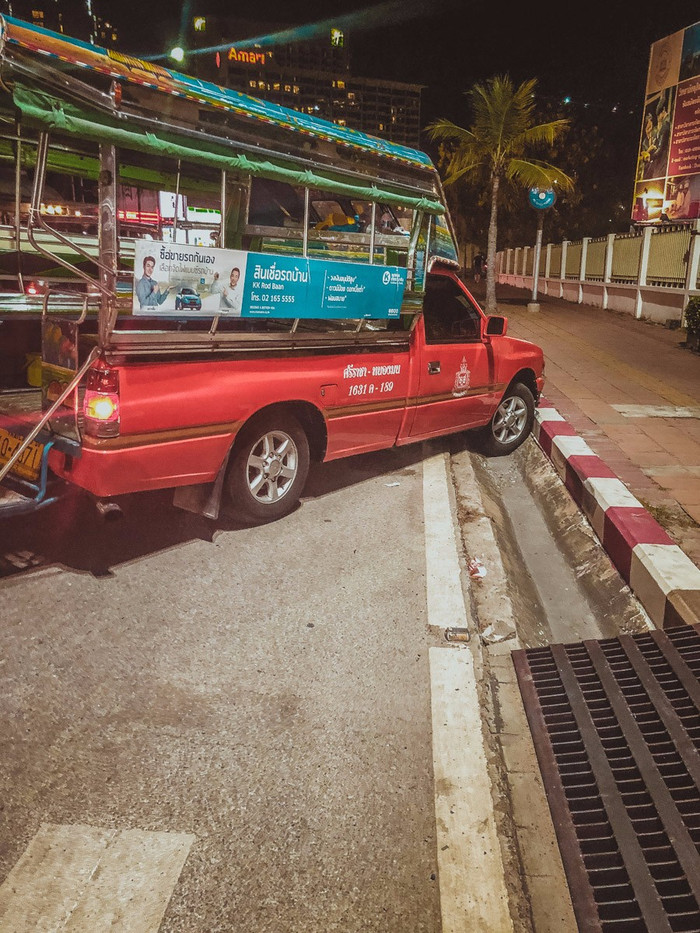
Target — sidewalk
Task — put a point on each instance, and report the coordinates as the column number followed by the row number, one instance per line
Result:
column 630, row 390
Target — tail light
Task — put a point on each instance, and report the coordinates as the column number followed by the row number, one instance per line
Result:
column 101, row 402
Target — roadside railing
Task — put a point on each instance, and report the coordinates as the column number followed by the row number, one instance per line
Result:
column 649, row 272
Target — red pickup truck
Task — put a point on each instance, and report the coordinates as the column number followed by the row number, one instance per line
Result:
column 259, row 419
column 227, row 291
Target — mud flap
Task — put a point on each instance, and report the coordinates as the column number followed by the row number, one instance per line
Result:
column 203, row 498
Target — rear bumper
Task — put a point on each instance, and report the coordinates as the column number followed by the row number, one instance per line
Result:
column 112, row 470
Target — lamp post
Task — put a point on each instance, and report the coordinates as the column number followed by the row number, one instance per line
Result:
column 540, row 199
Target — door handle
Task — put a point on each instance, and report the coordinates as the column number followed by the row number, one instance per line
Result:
column 433, row 367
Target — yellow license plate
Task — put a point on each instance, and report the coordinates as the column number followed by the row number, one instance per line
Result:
column 29, row 463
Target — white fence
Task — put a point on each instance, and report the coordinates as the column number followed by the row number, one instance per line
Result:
column 649, row 273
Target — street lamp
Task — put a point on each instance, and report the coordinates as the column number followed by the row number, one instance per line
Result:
column 177, row 54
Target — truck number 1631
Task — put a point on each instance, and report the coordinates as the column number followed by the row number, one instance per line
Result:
column 368, row 389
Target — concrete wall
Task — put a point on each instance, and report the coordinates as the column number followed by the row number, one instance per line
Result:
column 671, row 251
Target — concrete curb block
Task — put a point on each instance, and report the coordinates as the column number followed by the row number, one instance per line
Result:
column 659, row 573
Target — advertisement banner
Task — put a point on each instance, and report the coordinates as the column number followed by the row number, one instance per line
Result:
column 183, row 281
column 667, row 186
column 685, row 144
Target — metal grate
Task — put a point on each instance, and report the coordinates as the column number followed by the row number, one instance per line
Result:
column 616, row 727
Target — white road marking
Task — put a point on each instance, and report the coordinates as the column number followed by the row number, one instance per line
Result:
column 672, row 470
column 446, row 607
column 657, row 411
column 473, row 893
column 84, row 879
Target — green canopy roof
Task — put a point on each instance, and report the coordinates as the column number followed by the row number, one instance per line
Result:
column 67, row 117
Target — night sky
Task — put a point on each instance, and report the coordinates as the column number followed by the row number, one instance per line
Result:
column 594, row 52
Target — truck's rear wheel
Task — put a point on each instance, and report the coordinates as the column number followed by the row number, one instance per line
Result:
column 268, row 468
column 511, row 422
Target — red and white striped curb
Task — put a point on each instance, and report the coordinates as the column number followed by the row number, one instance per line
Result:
column 659, row 573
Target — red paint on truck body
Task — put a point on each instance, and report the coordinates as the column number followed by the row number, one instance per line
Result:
column 178, row 419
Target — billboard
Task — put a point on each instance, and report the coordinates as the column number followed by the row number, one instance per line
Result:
column 667, row 185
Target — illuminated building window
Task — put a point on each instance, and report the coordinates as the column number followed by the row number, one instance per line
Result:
column 340, row 122
column 199, row 23
column 351, row 96
column 276, row 86
column 252, row 83
column 337, row 38
column 288, row 88
column 261, row 85
column 38, row 16
column 340, row 84
column 296, row 89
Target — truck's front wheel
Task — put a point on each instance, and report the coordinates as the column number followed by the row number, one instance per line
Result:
column 268, row 468
column 511, row 422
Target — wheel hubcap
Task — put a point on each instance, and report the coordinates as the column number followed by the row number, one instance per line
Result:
column 510, row 419
column 272, row 466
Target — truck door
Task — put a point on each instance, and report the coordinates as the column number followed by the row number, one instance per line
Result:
column 456, row 367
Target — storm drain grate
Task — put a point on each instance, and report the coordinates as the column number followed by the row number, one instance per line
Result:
column 616, row 728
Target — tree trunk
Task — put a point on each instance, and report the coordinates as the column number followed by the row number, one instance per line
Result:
column 490, row 303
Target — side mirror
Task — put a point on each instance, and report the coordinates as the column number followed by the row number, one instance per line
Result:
column 496, row 325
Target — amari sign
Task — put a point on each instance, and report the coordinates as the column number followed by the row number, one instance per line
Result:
column 667, row 186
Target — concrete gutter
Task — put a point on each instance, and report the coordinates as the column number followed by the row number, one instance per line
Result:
column 659, row 573
column 538, row 892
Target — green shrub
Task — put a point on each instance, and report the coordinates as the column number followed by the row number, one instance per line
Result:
column 691, row 315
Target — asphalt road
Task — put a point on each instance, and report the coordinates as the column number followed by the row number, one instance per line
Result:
column 265, row 692
column 229, row 728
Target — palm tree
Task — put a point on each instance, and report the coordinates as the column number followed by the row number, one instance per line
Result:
column 498, row 143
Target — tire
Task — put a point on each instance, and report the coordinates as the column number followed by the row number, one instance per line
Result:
column 268, row 468
column 511, row 423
